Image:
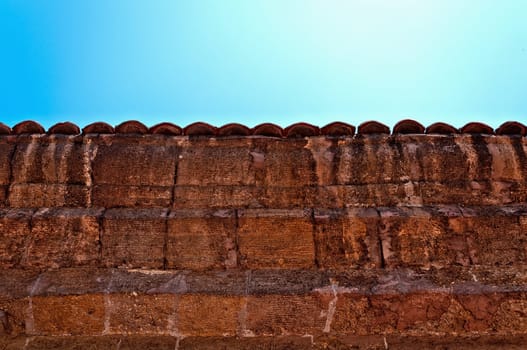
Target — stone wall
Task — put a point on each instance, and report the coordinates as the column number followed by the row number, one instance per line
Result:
column 324, row 240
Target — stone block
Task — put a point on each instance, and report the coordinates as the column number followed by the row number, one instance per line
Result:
column 200, row 240
column 134, row 238
column 68, row 315
column 63, row 237
column 276, row 239
column 208, row 315
column 141, row 314
column 347, row 238
column 135, row 164
column 14, row 232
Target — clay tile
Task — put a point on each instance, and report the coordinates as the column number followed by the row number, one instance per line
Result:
column 441, row 128
column 234, row 129
column 477, row 128
column 408, row 126
column 301, row 130
column 4, row 129
column 200, row 129
column 28, row 127
column 373, row 127
column 512, row 128
column 166, row 129
column 66, row 128
column 98, row 128
column 338, row 129
column 268, row 129
column 131, row 127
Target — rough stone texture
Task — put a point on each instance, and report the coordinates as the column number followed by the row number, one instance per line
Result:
column 129, row 241
column 200, row 240
column 276, row 239
column 134, row 238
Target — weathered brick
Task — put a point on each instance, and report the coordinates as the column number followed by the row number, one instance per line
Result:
column 14, row 233
column 62, row 237
column 134, row 237
column 217, row 197
column 222, row 162
column 6, row 151
column 141, row 314
column 247, row 343
column 421, row 237
column 284, row 314
column 207, row 315
column 276, row 239
column 347, row 238
column 12, row 316
column 201, row 240
column 51, row 160
column 68, row 315
column 493, row 237
column 115, row 196
column 135, row 164
column 41, row 195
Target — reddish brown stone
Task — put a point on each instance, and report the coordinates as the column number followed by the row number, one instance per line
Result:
column 68, row 315
column 207, row 315
column 134, row 237
column 141, row 314
column 15, row 232
column 348, row 238
column 63, row 238
column 199, row 240
column 284, row 314
column 276, row 239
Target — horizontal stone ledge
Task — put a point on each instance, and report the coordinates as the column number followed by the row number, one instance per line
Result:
column 378, row 342
column 78, row 281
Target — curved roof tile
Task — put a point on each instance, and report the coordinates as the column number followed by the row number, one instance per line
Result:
column 373, row 127
column 166, row 129
column 338, row 129
column 301, row 130
column 408, row 126
column 268, row 129
column 512, row 128
column 441, row 128
column 98, row 128
column 4, row 129
column 477, row 128
column 234, row 129
column 28, row 127
column 131, row 127
column 200, row 129
column 65, row 128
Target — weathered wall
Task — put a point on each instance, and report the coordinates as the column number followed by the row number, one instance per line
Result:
column 123, row 240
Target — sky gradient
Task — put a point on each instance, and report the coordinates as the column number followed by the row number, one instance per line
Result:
column 280, row 61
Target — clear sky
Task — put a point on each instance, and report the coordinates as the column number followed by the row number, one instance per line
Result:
column 253, row 61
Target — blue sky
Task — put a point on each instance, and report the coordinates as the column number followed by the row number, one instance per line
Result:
column 280, row 61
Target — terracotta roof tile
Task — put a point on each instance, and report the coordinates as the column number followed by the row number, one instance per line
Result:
column 301, row 130
column 4, row 129
column 166, row 129
column 441, row 128
column 373, row 127
column 338, row 129
column 297, row 130
column 512, row 128
column 65, row 128
column 234, row 129
column 28, row 127
column 200, row 129
column 98, row 128
column 477, row 128
column 268, row 129
column 408, row 126
column 131, row 127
